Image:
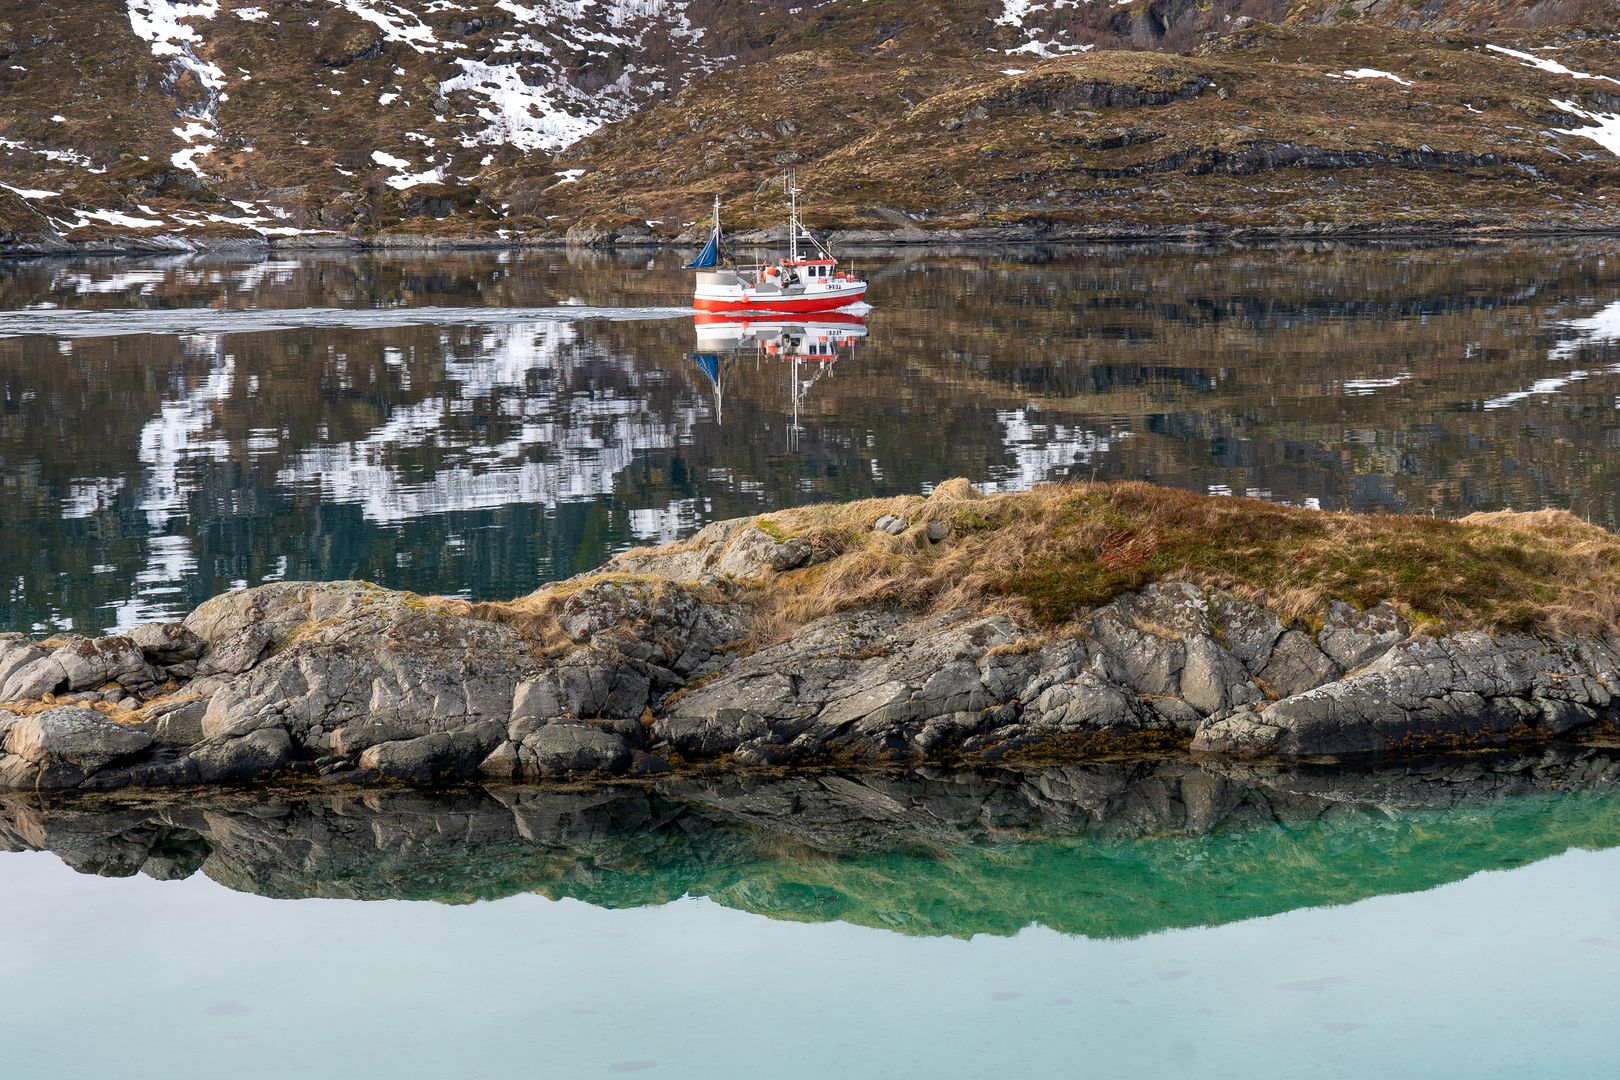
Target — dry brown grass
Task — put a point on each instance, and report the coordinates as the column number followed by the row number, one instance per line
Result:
column 112, row 712
column 1049, row 555
column 536, row 616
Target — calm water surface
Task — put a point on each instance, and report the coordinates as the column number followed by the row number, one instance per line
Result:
column 1451, row 920
column 221, row 431
column 481, row 424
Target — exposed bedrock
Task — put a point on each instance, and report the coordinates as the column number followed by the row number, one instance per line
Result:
column 643, row 671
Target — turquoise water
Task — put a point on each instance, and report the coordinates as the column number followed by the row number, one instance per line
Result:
column 1435, row 921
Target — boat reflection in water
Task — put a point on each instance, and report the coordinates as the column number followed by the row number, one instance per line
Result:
column 810, row 344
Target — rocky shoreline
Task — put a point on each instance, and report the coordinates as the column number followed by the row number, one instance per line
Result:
column 133, row 246
column 649, row 665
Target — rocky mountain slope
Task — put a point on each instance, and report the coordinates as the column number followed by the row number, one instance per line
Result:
column 951, row 629
column 148, row 122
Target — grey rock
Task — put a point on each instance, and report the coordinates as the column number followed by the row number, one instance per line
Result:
column 539, row 699
column 256, row 756
column 937, row 531
column 237, row 653
column 790, row 554
column 503, row 762
column 16, row 653
column 44, row 675
column 1213, row 680
column 1242, row 734
column 753, row 551
column 87, row 663
column 1177, row 712
column 73, row 736
column 1250, row 631
column 573, row 749
column 362, row 735
column 890, row 524
column 177, row 723
column 1089, row 703
column 1356, row 638
column 1464, row 689
column 167, row 643
column 440, row 756
column 1296, row 665
column 709, row 736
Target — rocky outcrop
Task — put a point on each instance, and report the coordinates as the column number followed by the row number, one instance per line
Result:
column 640, row 670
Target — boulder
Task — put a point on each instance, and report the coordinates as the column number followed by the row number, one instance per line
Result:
column 167, row 643
column 1213, row 680
column 753, row 551
column 1465, row 689
column 1250, row 632
column 73, row 736
column 710, row 735
column 364, row 734
column 440, row 756
column 503, row 762
column 237, row 653
column 16, row 653
column 255, row 756
column 576, row 749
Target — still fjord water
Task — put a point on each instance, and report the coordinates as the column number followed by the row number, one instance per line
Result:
column 1150, row 920
column 1454, row 919
column 228, row 428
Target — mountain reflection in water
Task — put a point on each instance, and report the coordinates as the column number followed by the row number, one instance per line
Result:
column 427, row 437
column 1113, row 850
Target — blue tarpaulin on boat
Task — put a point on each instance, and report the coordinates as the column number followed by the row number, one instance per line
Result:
column 709, row 256
column 710, row 363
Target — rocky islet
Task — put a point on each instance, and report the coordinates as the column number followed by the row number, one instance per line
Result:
column 646, row 666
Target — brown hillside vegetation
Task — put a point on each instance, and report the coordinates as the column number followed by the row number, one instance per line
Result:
column 1051, row 554
column 1253, row 130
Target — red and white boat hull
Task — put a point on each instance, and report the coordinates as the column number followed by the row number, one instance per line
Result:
column 835, row 295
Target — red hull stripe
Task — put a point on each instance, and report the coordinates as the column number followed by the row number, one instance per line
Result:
column 819, row 303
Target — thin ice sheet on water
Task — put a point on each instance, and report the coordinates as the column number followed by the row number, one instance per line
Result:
column 74, row 323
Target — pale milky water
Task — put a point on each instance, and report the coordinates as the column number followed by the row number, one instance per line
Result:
column 1507, row 973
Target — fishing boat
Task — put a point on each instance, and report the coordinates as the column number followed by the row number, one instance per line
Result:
column 808, row 279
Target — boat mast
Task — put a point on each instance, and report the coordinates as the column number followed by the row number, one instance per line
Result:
column 792, row 183
column 717, row 221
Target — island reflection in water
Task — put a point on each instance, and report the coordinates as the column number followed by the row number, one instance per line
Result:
column 453, row 429
column 1104, row 850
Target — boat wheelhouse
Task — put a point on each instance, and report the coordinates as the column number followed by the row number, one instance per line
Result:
column 807, row 280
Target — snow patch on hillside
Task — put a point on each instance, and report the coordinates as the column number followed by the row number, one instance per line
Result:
column 1606, row 133
column 401, row 25
column 160, row 23
column 528, row 117
column 1547, row 65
